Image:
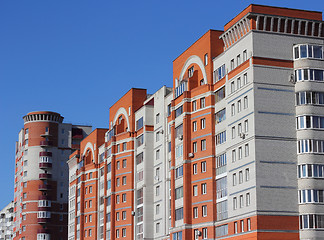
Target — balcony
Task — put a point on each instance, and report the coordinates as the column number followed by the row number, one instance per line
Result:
column 44, row 176
column 43, row 230
column 44, row 197
column 44, row 165
column 46, row 143
column 45, row 154
column 46, row 134
column 43, row 220
column 44, row 187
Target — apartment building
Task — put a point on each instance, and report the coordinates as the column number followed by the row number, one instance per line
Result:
column 6, row 222
column 41, row 175
column 233, row 151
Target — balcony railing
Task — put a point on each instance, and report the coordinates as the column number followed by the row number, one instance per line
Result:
column 44, row 197
column 45, row 154
column 44, row 187
column 45, row 175
column 43, row 220
column 46, row 143
column 45, row 165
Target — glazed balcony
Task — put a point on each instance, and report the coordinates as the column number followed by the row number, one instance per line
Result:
column 46, row 143
column 44, row 165
column 44, row 176
column 43, row 220
column 45, row 154
column 44, row 187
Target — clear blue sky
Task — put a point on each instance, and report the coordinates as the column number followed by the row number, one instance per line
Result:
column 78, row 57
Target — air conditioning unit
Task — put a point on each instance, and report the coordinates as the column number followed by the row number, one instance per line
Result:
column 156, row 177
column 191, row 155
column 133, row 213
column 181, row 137
column 242, row 135
column 161, row 131
column 198, row 233
column 291, row 78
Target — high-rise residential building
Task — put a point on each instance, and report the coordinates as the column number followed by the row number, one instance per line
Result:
column 6, row 222
column 233, row 151
column 41, row 175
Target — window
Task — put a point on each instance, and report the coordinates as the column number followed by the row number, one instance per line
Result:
column 124, row 197
column 233, row 132
column 239, row 129
column 309, row 75
column 157, row 154
column 246, row 150
column 232, row 87
column 140, row 140
column 195, row 212
column 190, row 72
column 124, row 215
column 238, row 60
column 139, row 123
column 118, row 148
column 178, row 193
column 26, row 131
column 117, row 182
column 179, row 214
column 117, row 233
column 308, row 51
column 157, row 118
column 203, row 145
column 124, row 146
column 139, row 158
column 157, row 228
column 194, row 105
column 157, row 173
column 249, row 224
column 90, row 189
column 203, row 166
column 178, row 111
column 195, row 190
column 203, row 123
column 245, row 102
column 240, row 153
column 244, row 55
column 232, row 64
column 169, row 109
column 221, row 138
column 248, row 199
column 204, row 210
column 157, row 191
column 194, row 147
column 202, row 102
column 24, row 195
column 242, row 225
column 234, row 179
column 204, row 233
column 239, row 106
column 240, row 177
column 245, row 79
column 246, row 126
column 233, row 155
column 247, row 174
column 221, row 230
column 204, row 188
column 233, row 109
column 157, row 136
column 124, row 180
column 157, row 209
column 234, row 203
column 194, row 169
column 241, row 201
column 221, row 162
column 194, row 126
column 123, row 232
column 206, row 59
column 220, row 116
column 117, row 199
column 124, row 163
column 25, row 173
column 179, row 172
column 219, row 73
column 179, row 151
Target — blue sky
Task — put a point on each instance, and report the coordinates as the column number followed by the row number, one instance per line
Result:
column 78, row 57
